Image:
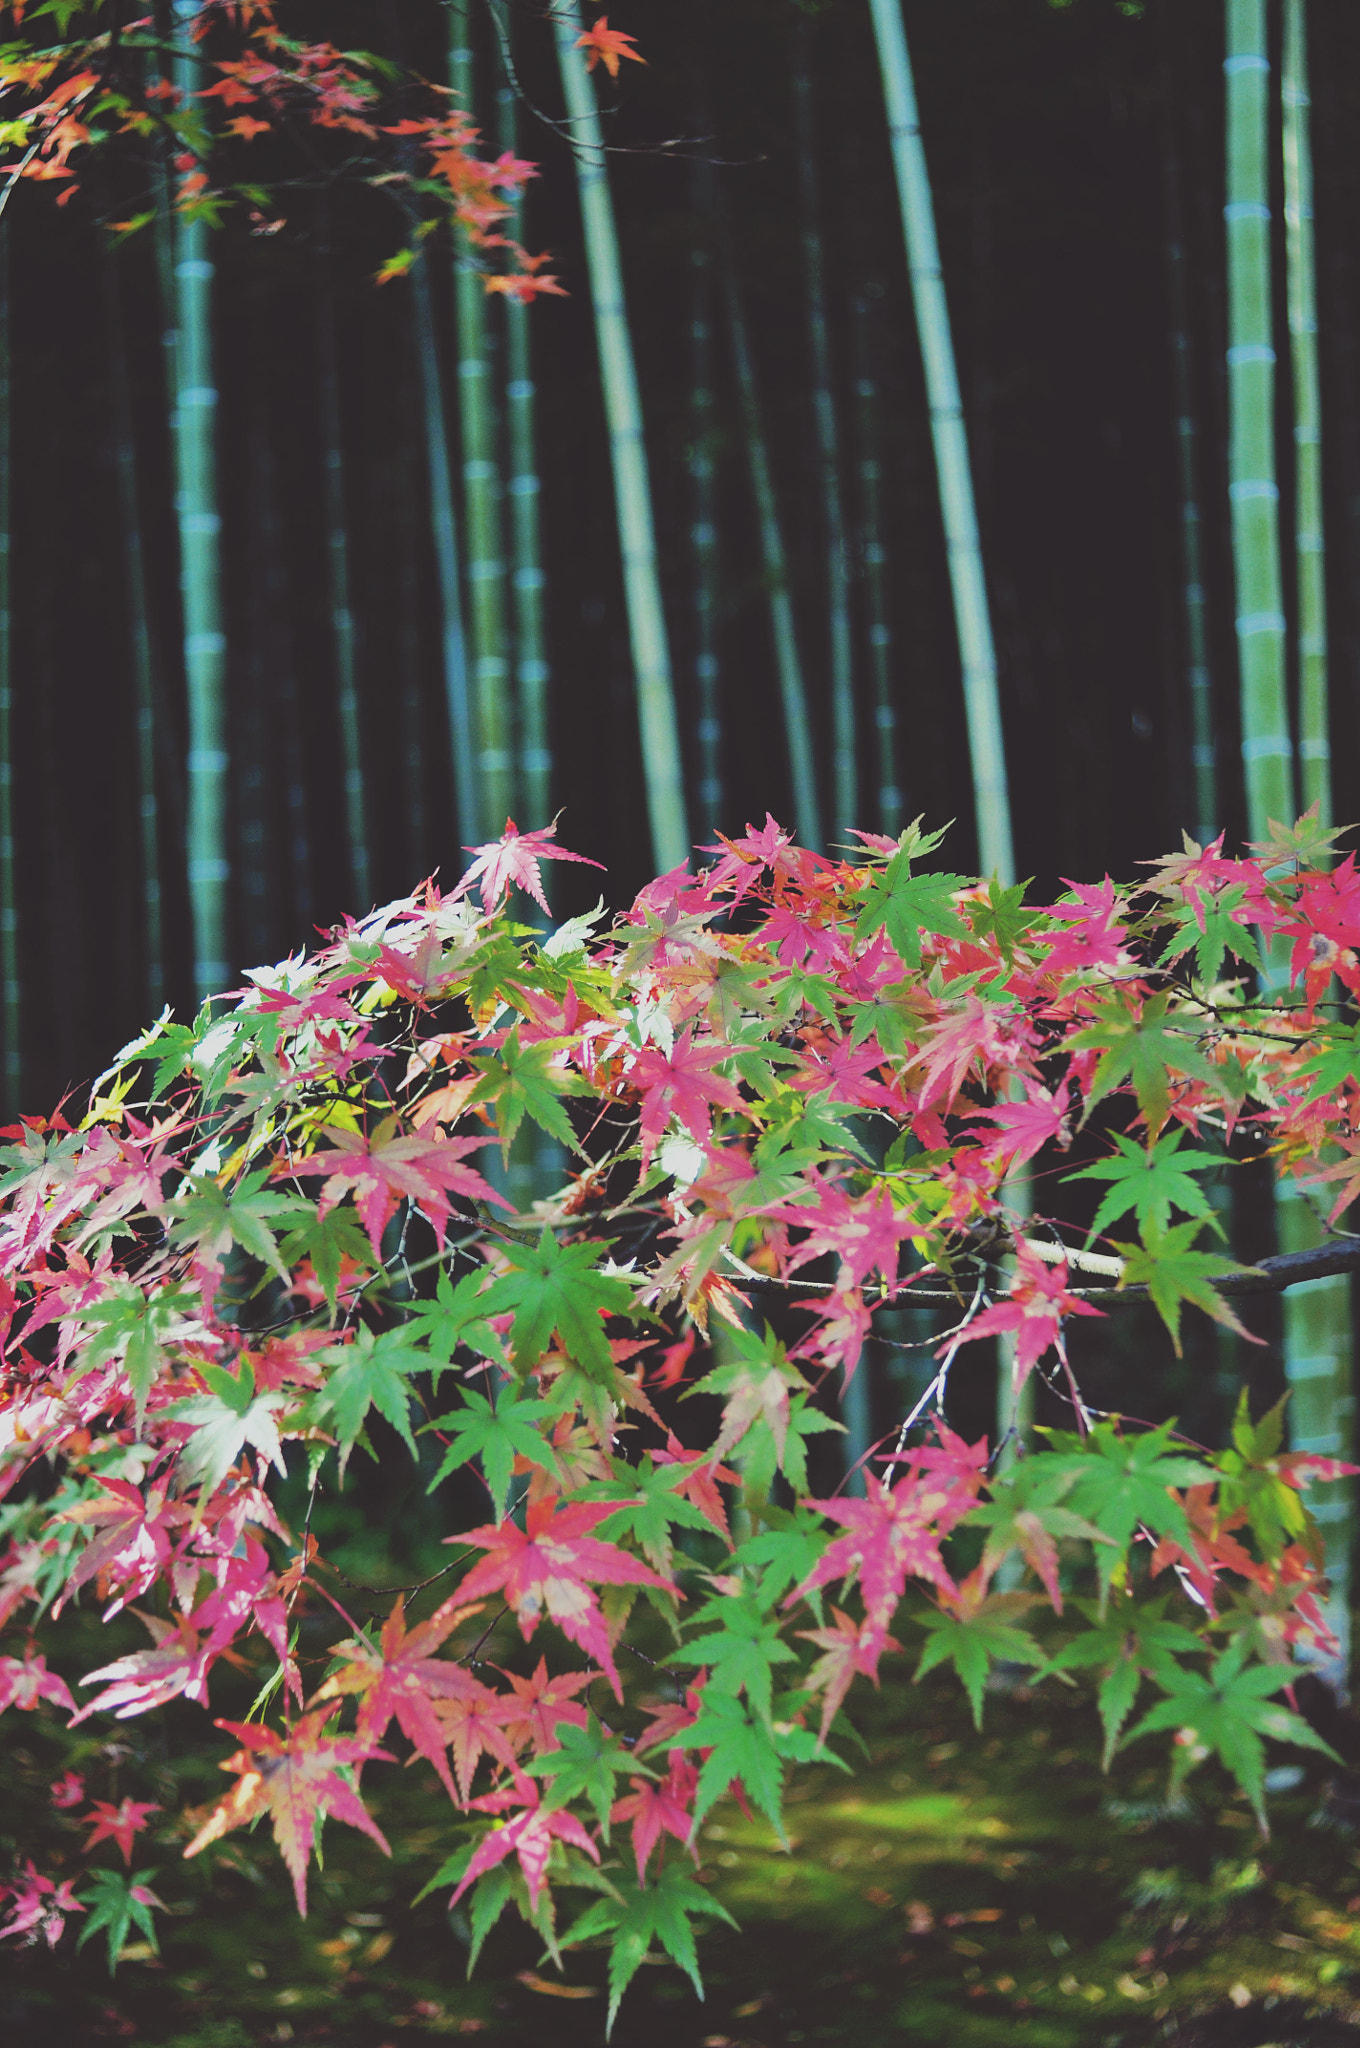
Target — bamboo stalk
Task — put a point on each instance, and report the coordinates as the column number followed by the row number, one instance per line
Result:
column 703, row 531
column 1267, row 750
column 1314, row 743
column 986, row 745
column 445, row 534
column 783, row 630
column 844, row 776
column 200, row 525
column 139, row 633
column 1199, row 676
column 338, row 579
column 658, row 730
column 486, row 575
column 889, row 801
column 11, row 996
column 533, row 675
column 1317, row 1319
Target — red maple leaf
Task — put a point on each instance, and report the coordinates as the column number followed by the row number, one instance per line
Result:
column 293, row 1778
column 541, row 1704
column 680, row 1083
column 529, row 1836
column 1094, row 935
column 23, row 1685
column 474, row 1725
column 1024, row 1128
column 179, row 1663
column 849, row 1649
column 1035, row 1309
column 655, row 1809
column 385, row 1172
column 605, row 45
column 548, row 1567
column 403, row 1677
column 118, row 1823
column 895, row 1533
column 864, row 1231
column 980, row 1031
column 514, row 858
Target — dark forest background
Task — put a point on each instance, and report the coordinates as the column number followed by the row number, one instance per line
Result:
column 1054, row 135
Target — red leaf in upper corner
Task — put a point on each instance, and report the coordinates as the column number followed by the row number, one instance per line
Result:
column 294, row 1779
column 118, row 1823
column 404, row 1677
column 605, row 45
column 514, row 859
column 425, row 1169
column 654, row 1809
column 529, row 1836
column 548, row 1567
column 1035, row 1309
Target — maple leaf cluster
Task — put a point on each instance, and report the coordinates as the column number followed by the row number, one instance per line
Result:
column 263, row 1247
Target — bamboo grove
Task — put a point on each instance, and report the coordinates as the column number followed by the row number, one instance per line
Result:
column 735, row 501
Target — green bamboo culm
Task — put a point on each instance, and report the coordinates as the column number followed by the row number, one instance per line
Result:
column 1315, row 754
column 869, row 424
column 986, row 745
column 844, row 747
column 1267, row 750
column 11, row 1009
column 488, row 634
column 444, row 528
column 703, row 531
column 139, row 635
column 1317, row 1346
column 532, row 672
column 1199, row 676
column 658, row 730
column 343, row 648
column 807, row 810
column 200, row 526
column 1318, row 1342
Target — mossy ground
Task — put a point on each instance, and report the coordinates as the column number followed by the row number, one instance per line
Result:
column 972, row 1888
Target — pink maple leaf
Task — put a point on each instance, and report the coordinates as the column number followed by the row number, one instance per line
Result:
column 547, row 1569
column 424, row 1169
column 1094, row 936
column 1035, row 1309
column 40, row 1907
column 657, row 1809
column 1024, row 1128
column 23, row 1685
column 514, row 859
column 529, row 1836
column 864, row 1231
column 680, row 1083
column 118, row 1823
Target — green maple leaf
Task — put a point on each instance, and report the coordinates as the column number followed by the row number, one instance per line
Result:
column 1172, row 1271
column 1228, row 1710
column 494, row 970
column 741, row 1652
column 1001, row 916
column 1220, row 933
column 1252, row 1480
column 119, row 1902
column 1144, row 1051
column 785, row 1553
column 372, row 1372
column 584, row 1766
column 640, row 1914
column 1306, row 841
column 327, row 1241
column 1126, row 1643
column 457, row 1315
column 135, row 1324
column 973, row 1643
column 1335, row 1063
column 1026, row 1514
column 227, row 1418
column 744, row 1746
column 652, row 1508
column 907, row 904
column 1150, row 1181
column 559, row 1287
column 206, row 1215
column 496, row 1435
column 521, row 1080
column 1120, row 1482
